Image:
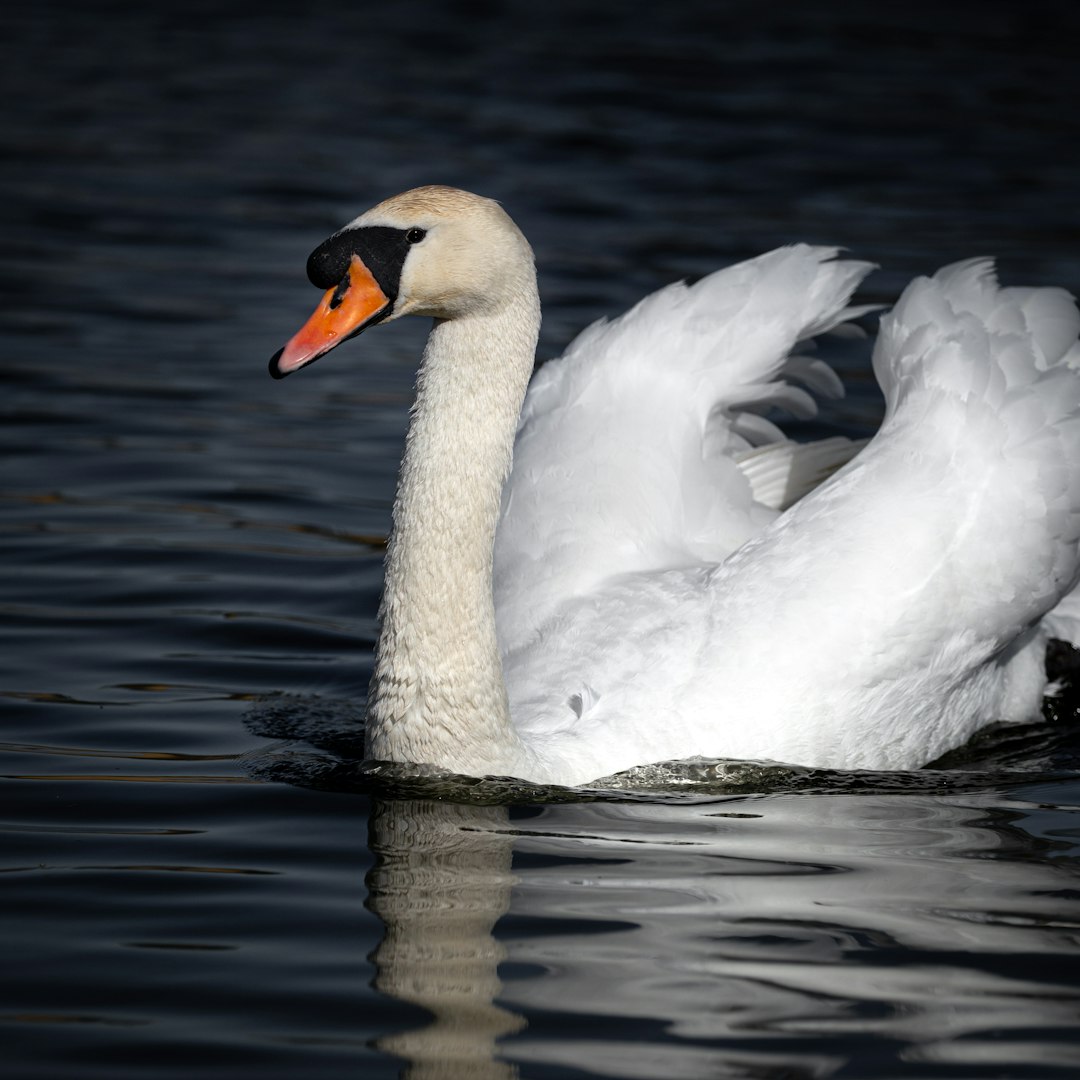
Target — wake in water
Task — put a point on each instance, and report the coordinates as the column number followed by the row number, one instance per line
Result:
column 321, row 746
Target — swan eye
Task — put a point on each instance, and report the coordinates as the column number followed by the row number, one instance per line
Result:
column 414, row 236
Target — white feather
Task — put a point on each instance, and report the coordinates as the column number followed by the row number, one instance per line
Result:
column 892, row 611
column 624, row 458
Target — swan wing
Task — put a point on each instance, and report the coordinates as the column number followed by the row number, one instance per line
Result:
column 889, row 613
column 643, row 447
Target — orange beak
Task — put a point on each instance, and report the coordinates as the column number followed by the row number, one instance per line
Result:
column 343, row 311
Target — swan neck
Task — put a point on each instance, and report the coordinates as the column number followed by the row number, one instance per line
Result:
column 438, row 695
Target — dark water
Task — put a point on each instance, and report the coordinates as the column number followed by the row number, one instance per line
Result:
column 198, row 872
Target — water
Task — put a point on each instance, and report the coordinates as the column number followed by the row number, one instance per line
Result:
column 199, row 872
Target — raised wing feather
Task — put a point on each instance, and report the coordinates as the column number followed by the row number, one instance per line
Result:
column 625, row 454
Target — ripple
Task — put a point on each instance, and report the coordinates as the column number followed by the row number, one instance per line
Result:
column 324, row 750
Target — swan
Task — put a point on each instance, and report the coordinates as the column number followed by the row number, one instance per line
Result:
column 624, row 563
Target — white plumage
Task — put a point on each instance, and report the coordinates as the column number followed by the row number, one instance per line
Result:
column 670, row 577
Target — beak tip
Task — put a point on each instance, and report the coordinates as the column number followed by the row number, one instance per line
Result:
column 275, row 370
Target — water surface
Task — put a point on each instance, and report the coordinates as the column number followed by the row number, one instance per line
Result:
column 199, row 873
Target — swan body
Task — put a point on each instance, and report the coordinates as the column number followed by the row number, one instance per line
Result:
column 624, row 563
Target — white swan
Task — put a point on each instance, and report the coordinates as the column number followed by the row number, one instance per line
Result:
column 636, row 590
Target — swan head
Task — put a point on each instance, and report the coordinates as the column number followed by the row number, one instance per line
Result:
column 433, row 251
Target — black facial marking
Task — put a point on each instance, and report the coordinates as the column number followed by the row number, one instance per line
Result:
column 381, row 249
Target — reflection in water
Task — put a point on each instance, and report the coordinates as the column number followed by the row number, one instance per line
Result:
column 441, row 880
column 781, row 935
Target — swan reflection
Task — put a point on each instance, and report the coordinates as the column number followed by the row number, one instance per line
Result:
column 731, row 937
column 440, row 881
